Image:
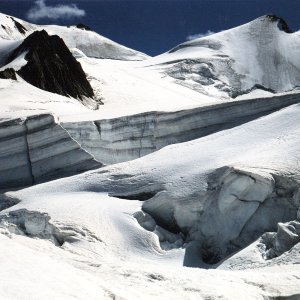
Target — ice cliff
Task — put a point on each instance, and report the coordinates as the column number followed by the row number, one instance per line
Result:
column 130, row 137
column 36, row 149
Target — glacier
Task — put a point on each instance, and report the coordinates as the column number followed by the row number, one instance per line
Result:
column 182, row 183
column 35, row 149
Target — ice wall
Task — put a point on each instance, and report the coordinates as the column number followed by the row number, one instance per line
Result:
column 36, row 149
column 130, row 137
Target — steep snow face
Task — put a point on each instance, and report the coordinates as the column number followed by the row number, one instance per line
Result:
column 12, row 28
column 228, row 201
column 89, row 42
column 257, row 55
column 123, row 87
column 93, row 44
column 6, row 47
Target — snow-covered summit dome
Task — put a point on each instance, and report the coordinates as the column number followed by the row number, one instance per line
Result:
column 262, row 54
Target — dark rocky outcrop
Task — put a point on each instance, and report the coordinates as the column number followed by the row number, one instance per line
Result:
column 282, row 24
column 8, row 73
column 83, row 26
column 19, row 26
column 51, row 66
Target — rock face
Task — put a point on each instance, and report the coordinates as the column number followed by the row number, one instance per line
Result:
column 19, row 26
column 8, row 73
column 126, row 138
column 282, row 24
column 51, row 66
column 81, row 37
column 37, row 149
column 83, row 27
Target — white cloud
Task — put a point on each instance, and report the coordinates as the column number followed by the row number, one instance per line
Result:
column 199, row 35
column 41, row 10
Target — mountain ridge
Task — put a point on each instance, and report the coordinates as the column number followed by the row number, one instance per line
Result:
column 261, row 54
column 51, row 66
column 90, row 42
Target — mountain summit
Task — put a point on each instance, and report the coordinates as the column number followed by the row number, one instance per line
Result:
column 262, row 54
column 51, row 66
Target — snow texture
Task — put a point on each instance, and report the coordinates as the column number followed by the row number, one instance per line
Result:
column 212, row 213
column 216, row 64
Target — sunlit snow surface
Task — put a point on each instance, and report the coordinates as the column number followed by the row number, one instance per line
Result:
column 236, row 61
column 85, row 237
column 117, row 256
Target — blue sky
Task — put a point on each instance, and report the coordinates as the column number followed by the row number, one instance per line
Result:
column 153, row 26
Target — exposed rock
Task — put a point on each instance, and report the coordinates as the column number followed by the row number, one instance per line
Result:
column 6, row 202
column 83, row 26
column 51, row 66
column 282, row 24
column 8, row 73
column 19, row 26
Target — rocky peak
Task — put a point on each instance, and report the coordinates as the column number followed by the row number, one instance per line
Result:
column 8, row 73
column 282, row 24
column 51, row 66
column 83, row 27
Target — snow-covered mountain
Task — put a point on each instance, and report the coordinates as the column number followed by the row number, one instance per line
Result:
column 206, row 201
column 88, row 42
column 262, row 54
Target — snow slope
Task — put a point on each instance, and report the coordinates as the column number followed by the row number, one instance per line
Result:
column 128, row 88
column 123, row 87
column 203, row 197
column 262, row 54
column 89, row 42
column 213, row 218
